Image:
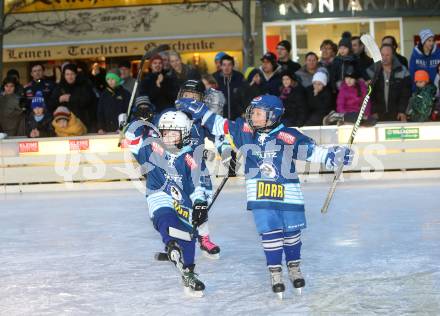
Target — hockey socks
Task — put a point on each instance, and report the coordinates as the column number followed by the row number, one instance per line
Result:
column 273, row 247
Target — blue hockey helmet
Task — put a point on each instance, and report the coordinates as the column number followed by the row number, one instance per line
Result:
column 274, row 110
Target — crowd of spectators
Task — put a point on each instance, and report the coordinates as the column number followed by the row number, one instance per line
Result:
column 327, row 89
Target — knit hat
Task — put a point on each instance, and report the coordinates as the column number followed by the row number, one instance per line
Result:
column 286, row 45
column 62, row 112
column 219, row 56
column 13, row 73
column 425, row 34
column 142, row 100
column 345, row 40
column 38, row 101
column 269, row 56
column 421, row 75
column 321, row 77
column 248, row 71
column 114, row 74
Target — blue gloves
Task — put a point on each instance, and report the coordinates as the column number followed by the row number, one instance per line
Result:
column 195, row 108
column 338, row 156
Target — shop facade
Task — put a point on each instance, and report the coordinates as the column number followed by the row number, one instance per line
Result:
column 307, row 23
column 110, row 34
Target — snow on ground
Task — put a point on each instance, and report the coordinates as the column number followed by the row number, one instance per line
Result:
column 377, row 251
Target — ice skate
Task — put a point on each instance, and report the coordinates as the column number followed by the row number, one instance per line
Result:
column 276, row 277
column 192, row 285
column 296, row 276
column 209, row 249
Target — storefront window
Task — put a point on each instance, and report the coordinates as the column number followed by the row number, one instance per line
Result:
column 275, row 34
column 383, row 28
column 310, row 36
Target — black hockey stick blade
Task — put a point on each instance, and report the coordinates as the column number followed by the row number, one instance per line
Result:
column 161, row 256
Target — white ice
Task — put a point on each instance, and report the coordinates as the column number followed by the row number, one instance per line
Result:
column 377, row 251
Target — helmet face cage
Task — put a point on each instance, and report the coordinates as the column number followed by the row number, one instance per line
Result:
column 271, row 119
column 144, row 112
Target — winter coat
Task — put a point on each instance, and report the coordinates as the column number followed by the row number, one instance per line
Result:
column 338, row 69
column 234, row 92
column 12, row 117
column 82, row 100
column 349, row 101
column 44, row 126
column 74, row 127
column 364, row 62
column 162, row 97
column 399, row 92
column 271, row 83
column 429, row 62
column 318, row 106
column 289, row 66
column 44, row 85
column 128, row 84
column 295, row 105
column 110, row 105
column 305, row 77
column 421, row 103
column 188, row 73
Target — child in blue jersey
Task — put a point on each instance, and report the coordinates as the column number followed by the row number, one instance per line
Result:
column 176, row 199
column 194, row 89
column 273, row 191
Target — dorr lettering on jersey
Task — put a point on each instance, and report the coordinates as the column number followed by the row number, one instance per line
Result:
column 270, row 191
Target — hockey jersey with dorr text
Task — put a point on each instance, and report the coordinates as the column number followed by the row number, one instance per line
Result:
column 270, row 172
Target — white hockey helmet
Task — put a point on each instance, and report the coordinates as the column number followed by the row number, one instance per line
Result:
column 176, row 121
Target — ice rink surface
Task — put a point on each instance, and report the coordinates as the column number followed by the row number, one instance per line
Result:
column 377, row 252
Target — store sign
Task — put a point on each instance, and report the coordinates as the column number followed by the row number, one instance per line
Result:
column 27, row 147
column 54, row 5
column 287, row 9
column 118, row 49
column 401, row 133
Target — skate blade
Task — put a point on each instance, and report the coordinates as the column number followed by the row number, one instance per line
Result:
column 298, row 291
column 191, row 293
column 280, row 295
column 214, row 256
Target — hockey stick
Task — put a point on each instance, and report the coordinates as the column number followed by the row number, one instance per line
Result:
column 374, row 51
column 150, row 53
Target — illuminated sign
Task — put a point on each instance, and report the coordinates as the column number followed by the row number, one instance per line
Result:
column 401, row 133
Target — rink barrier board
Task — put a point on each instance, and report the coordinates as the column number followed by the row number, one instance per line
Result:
column 398, row 146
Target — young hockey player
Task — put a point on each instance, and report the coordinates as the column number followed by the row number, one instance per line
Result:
column 273, row 191
column 194, row 89
column 175, row 197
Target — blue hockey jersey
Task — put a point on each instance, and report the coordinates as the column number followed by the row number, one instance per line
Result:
column 172, row 180
column 271, row 178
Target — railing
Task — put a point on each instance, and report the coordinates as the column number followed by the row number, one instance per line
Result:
column 393, row 146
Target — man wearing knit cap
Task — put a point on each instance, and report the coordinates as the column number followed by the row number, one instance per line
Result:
column 271, row 74
column 425, row 56
column 287, row 64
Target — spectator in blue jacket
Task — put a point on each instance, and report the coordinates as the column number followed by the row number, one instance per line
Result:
column 425, row 56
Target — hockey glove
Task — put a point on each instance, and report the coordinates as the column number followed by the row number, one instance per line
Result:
column 338, row 156
column 194, row 108
column 199, row 213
